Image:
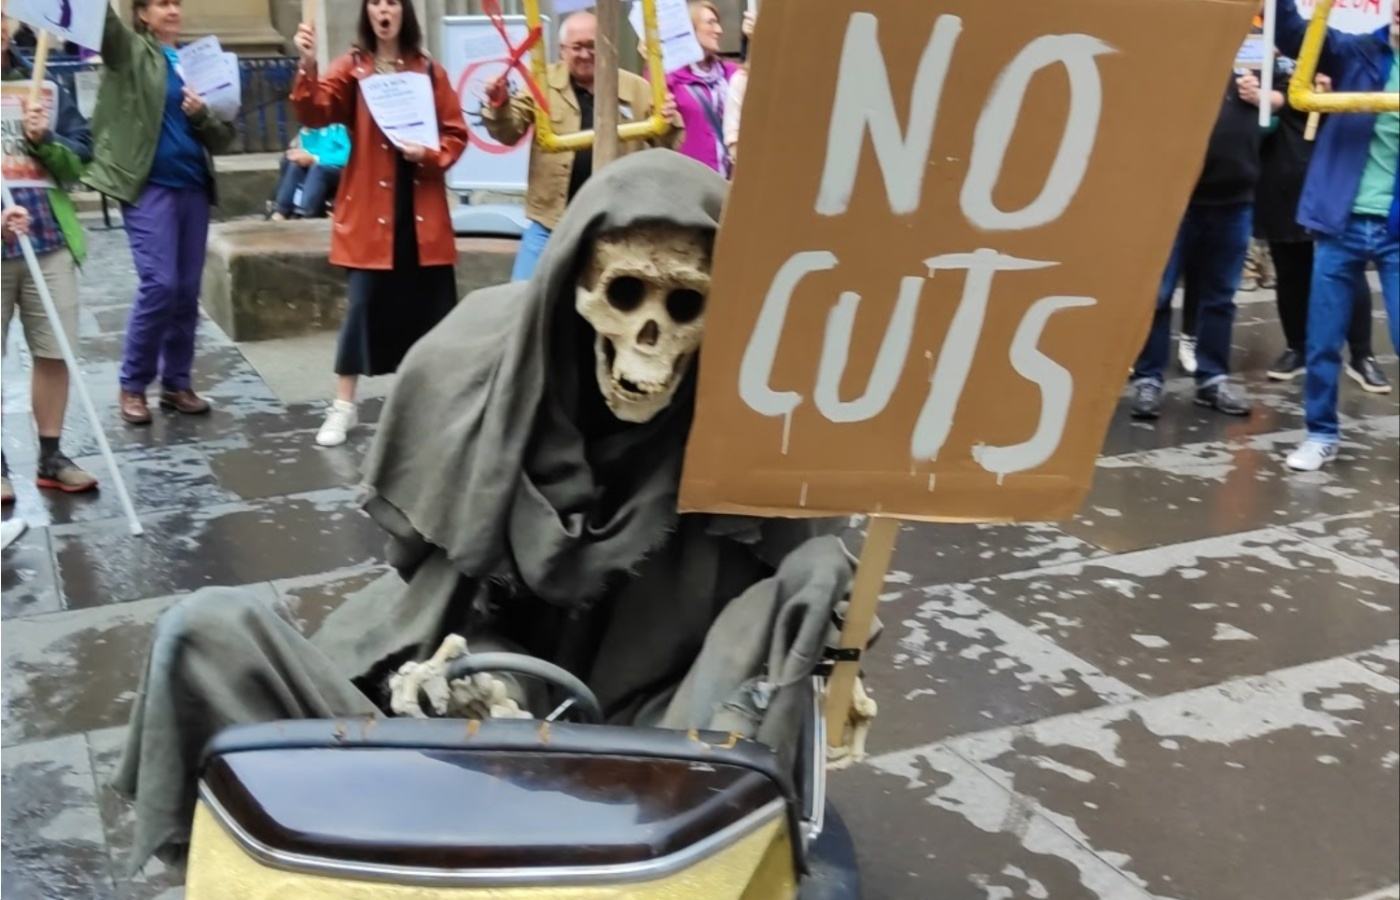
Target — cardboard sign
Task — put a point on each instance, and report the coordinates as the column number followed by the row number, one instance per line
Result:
column 21, row 169
column 942, row 250
column 79, row 21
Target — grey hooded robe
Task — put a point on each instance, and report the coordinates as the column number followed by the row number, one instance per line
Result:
column 521, row 514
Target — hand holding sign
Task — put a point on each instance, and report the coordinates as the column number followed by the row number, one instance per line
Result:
column 305, row 41
column 36, row 121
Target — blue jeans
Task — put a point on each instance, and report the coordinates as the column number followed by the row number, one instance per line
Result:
column 1210, row 249
column 317, row 184
column 532, row 244
column 1338, row 262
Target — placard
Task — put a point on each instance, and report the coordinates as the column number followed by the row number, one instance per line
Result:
column 79, row 21
column 679, row 46
column 474, row 55
column 1352, row 16
column 20, row 168
column 403, row 107
column 936, row 269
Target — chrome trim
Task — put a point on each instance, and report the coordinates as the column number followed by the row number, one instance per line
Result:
column 815, row 818
column 647, row 870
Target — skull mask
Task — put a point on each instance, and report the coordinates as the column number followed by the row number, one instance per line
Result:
column 643, row 290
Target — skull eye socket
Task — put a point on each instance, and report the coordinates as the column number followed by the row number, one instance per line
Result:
column 685, row 305
column 625, row 293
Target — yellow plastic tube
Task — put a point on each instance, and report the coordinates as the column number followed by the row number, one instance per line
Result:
column 654, row 126
column 1301, row 91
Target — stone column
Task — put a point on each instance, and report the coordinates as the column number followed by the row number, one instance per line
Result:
column 242, row 26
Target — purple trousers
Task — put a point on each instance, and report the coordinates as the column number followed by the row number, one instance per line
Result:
column 167, row 229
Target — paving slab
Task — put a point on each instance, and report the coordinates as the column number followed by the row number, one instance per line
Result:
column 283, row 537
column 54, row 845
column 1282, row 786
column 1179, row 617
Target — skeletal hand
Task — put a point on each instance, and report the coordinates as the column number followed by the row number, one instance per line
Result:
column 428, row 677
column 484, row 696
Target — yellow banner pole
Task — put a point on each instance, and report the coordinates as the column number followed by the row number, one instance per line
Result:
column 654, row 126
column 1302, row 91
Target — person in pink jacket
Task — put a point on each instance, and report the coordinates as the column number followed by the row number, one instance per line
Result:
column 701, row 89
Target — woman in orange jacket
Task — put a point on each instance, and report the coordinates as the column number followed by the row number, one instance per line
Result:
column 391, row 227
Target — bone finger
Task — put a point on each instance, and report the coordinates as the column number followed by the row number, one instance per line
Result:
column 453, row 646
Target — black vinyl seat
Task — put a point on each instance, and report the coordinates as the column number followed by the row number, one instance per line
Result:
column 501, row 794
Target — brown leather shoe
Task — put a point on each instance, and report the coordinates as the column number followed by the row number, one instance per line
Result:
column 134, row 409
column 185, row 401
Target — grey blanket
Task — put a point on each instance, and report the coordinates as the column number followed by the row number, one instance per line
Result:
column 521, row 514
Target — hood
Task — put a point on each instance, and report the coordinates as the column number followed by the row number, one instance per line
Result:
column 481, row 450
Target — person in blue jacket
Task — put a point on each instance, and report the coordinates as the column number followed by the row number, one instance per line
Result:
column 310, row 173
column 1351, row 202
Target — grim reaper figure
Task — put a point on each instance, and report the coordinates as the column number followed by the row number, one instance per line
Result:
column 526, row 470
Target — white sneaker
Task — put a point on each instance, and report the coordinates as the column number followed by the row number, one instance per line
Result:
column 1186, row 354
column 1311, row 455
column 11, row 531
column 339, row 420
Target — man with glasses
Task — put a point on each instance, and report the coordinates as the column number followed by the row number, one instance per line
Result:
column 556, row 177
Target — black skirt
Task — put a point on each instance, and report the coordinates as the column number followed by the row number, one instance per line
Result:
column 388, row 311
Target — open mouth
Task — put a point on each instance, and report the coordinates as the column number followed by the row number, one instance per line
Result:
column 383, row 25
column 633, row 390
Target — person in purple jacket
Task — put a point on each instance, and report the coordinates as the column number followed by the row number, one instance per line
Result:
column 700, row 90
column 1351, row 203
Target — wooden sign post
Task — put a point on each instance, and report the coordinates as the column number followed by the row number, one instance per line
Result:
column 605, row 111
column 928, row 286
column 42, row 47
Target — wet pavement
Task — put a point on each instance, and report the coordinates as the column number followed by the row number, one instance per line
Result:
column 1188, row 691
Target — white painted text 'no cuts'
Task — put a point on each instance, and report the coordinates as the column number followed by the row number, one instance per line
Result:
column 864, row 104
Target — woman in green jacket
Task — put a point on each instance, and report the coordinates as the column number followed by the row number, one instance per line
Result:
column 153, row 139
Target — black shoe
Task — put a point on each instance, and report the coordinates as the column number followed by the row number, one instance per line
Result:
column 1368, row 373
column 1224, row 397
column 1287, row 367
column 1147, row 399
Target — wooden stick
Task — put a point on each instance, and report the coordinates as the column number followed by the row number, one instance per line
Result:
column 860, row 615
column 1314, row 121
column 41, row 65
column 605, row 112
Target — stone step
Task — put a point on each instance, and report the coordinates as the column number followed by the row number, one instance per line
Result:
column 266, row 280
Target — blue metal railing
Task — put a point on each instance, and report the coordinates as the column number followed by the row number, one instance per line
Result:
column 265, row 121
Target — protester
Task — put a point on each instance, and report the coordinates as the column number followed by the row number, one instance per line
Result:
column 1351, row 202
column 1209, row 252
column 153, row 139
column 1284, row 163
column 393, row 230
column 312, row 167
column 734, row 99
column 62, row 146
column 556, row 177
column 700, row 90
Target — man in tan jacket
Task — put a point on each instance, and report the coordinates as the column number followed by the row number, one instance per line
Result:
column 556, row 177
